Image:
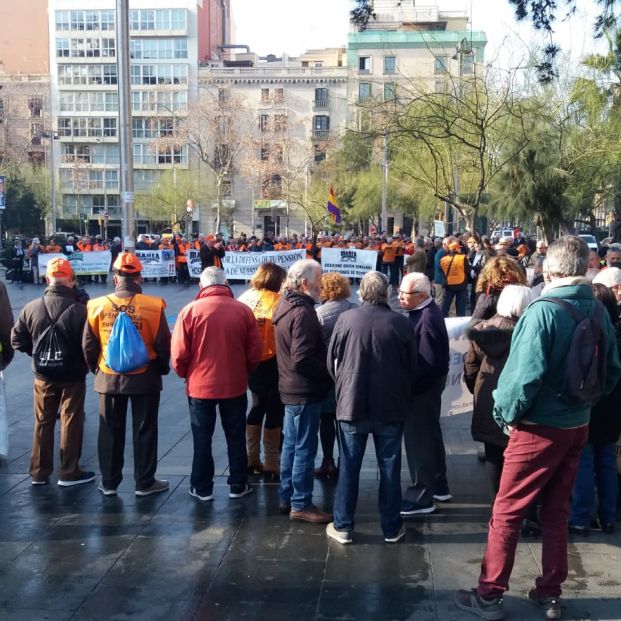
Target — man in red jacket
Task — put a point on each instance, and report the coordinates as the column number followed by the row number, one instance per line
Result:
column 214, row 341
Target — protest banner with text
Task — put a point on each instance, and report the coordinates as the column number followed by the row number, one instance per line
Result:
column 83, row 263
column 349, row 262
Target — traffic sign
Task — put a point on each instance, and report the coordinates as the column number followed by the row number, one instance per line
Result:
column 128, row 197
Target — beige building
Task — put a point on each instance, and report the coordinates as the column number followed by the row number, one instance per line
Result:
column 299, row 107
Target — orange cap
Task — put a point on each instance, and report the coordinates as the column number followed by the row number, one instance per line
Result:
column 210, row 238
column 128, row 263
column 59, row 268
column 455, row 246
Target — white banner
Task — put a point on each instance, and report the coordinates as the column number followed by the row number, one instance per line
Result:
column 157, row 263
column 243, row 265
column 348, row 262
column 456, row 398
column 83, row 263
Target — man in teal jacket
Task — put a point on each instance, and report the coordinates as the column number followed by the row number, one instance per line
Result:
column 547, row 433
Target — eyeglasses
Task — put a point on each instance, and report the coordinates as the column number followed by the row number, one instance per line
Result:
column 408, row 292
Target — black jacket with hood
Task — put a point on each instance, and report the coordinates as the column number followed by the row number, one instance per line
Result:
column 300, row 350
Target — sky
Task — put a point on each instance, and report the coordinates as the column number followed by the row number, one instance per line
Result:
column 292, row 26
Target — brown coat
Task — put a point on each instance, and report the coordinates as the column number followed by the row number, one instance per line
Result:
column 6, row 323
column 490, row 342
column 416, row 262
column 135, row 383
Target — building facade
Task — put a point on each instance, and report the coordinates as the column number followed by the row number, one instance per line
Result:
column 166, row 38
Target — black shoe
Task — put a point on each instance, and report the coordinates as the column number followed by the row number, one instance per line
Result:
column 239, row 491
column 472, row 602
column 550, row 606
column 411, row 508
column 608, row 527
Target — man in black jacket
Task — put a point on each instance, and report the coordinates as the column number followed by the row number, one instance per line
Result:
column 303, row 383
column 53, row 393
column 372, row 358
column 424, row 445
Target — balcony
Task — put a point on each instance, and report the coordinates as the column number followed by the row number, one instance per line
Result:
column 321, row 104
column 321, row 134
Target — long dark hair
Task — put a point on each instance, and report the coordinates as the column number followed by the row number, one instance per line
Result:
column 606, row 296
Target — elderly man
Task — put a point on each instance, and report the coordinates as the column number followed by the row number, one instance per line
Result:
column 210, row 325
column 417, row 261
column 59, row 385
column 303, row 383
column 548, row 428
column 211, row 253
column 141, row 386
column 372, row 347
column 424, row 445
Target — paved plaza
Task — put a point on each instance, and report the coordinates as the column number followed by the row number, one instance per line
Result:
column 74, row 554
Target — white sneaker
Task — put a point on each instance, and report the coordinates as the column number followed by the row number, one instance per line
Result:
column 195, row 494
column 106, row 492
column 398, row 537
column 342, row 536
column 85, row 477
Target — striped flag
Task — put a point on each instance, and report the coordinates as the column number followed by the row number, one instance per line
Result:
column 333, row 211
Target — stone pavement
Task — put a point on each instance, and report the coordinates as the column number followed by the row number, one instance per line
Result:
column 73, row 554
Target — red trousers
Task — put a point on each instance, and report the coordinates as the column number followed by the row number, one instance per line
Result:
column 540, row 462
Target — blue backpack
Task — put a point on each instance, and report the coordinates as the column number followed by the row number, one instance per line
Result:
column 126, row 349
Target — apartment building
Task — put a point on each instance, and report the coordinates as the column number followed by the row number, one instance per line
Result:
column 166, row 39
column 299, row 109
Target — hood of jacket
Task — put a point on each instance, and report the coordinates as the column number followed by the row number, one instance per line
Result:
column 213, row 291
column 289, row 301
column 493, row 336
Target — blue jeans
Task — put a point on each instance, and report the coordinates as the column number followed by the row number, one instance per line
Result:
column 353, row 441
column 299, row 448
column 460, row 293
column 597, row 468
column 203, row 420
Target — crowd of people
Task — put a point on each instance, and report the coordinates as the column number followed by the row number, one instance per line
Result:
column 543, row 366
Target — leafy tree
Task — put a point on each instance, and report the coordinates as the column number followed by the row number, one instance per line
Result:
column 362, row 13
column 24, row 203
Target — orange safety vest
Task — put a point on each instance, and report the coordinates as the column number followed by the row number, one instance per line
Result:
column 145, row 312
column 262, row 303
column 453, row 266
column 84, row 247
column 390, row 251
column 183, row 251
column 54, row 249
column 99, row 247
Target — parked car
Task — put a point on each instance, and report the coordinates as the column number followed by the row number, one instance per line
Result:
column 591, row 241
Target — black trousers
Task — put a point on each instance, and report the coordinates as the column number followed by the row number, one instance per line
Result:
column 111, row 440
column 424, row 446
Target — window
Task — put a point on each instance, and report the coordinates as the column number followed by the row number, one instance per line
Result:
column 319, row 153
column 92, row 20
column 264, row 121
column 364, row 64
column 265, row 95
column 77, row 20
column 172, row 155
column 64, row 127
column 441, row 64
column 107, row 20
column 92, row 48
column 277, row 152
column 109, row 128
column 222, row 95
column 160, row 19
column 279, row 95
column 271, row 187
column 221, row 156
column 467, row 64
column 364, row 91
column 265, row 153
column 321, row 94
column 108, row 48
column 36, row 105
column 280, row 122
column 109, row 74
column 158, row 49
column 63, row 20
column 77, row 153
column 36, row 133
column 390, row 91
column 390, row 64
column 321, row 122
column 227, row 188
column 62, row 47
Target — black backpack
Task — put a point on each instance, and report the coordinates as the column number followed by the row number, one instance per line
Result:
column 587, row 356
column 51, row 354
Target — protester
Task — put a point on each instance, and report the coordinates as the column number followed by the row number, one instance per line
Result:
column 141, row 387
column 262, row 299
column 372, row 347
column 484, row 361
column 497, row 273
column 17, row 262
column 424, row 445
column 60, row 394
column 417, row 262
column 6, row 323
column 215, row 322
column 613, row 255
column 456, row 269
column 303, row 383
column 33, row 253
column 335, row 291
column 547, row 426
column 598, row 463
column 211, row 253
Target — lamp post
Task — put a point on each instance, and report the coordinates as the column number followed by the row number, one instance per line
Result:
column 51, row 222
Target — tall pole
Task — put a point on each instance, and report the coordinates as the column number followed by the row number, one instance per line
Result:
column 126, row 172
column 385, row 184
column 53, row 180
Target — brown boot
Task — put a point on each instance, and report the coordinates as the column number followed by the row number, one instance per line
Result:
column 271, row 448
column 253, row 444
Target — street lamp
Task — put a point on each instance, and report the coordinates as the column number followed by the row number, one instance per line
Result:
column 51, row 136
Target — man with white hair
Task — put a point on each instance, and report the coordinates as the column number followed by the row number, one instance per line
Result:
column 303, row 383
column 212, row 324
column 59, row 387
column 371, row 348
column 548, row 427
column 424, row 445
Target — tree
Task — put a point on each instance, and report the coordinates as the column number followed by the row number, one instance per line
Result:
column 362, row 13
column 219, row 130
column 25, row 205
column 452, row 142
column 543, row 14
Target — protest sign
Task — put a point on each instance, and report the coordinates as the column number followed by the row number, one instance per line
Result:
column 456, row 398
column 83, row 263
column 157, row 263
column 242, row 265
column 349, row 262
